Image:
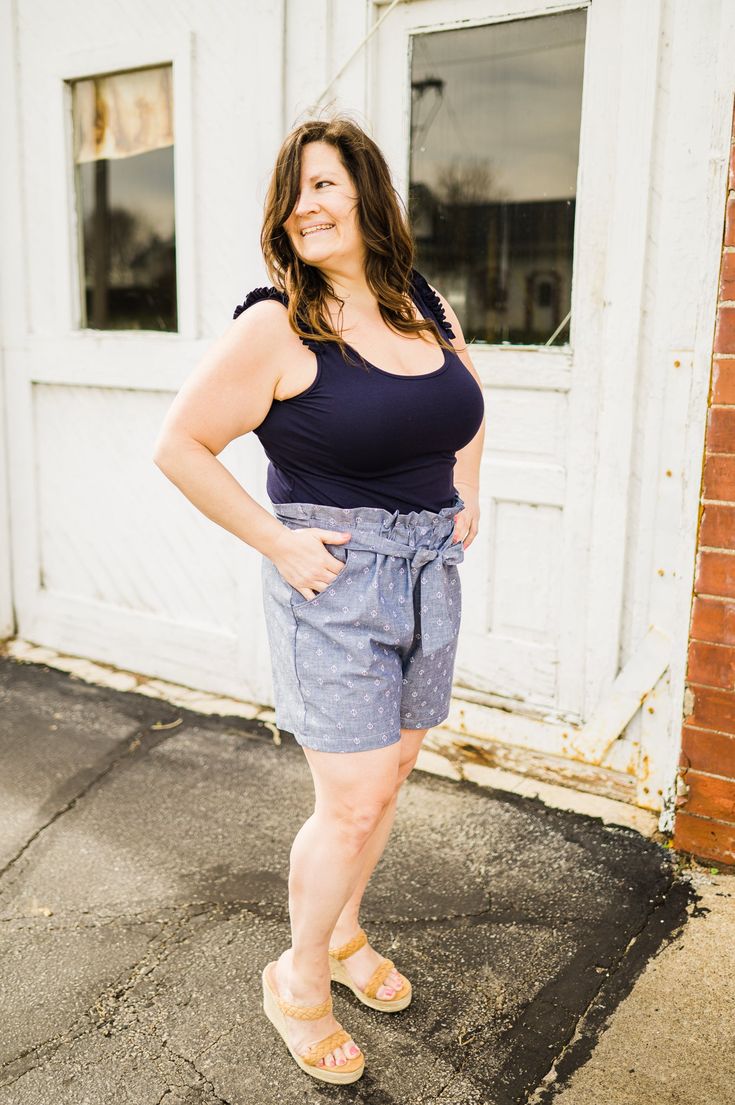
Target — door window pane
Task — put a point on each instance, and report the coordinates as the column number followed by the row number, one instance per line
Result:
column 493, row 177
column 123, row 152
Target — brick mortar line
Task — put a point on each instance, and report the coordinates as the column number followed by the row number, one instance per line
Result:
column 704, row 686
column 708, row 729
column 705, row 817
column 712, row 686
column 708, row 774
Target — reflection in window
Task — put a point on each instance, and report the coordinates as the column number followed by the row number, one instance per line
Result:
column 494, row 150
column 123, row 150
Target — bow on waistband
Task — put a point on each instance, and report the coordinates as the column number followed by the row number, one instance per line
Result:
column 436, row 621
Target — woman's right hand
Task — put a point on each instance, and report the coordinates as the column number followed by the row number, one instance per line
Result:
column 303, row 561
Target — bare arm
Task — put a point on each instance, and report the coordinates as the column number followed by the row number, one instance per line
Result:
column 227, row 395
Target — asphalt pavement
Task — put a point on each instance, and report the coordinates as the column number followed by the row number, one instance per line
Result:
column 143, row 886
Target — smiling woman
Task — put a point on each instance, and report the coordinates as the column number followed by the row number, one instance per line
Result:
column 332, row 205
column 329, row 192
column 353, row 373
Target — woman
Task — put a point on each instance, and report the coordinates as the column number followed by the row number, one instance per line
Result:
column 361, row 587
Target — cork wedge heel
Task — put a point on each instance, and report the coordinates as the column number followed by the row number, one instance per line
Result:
column 276, row 1009
column 368, row 996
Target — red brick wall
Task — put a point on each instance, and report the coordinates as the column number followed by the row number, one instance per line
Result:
column 705, row 815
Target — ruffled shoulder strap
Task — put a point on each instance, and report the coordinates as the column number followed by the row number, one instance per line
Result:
column 255, row 297
column 431, row 301
column 257, row 294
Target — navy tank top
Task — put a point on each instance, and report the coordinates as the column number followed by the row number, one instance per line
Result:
column 361, row 436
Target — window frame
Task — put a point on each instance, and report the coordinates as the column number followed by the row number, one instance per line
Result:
column 175, row 50
column 459, row 23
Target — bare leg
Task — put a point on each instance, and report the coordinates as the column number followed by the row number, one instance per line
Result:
column 353, row 791
column 364, row 961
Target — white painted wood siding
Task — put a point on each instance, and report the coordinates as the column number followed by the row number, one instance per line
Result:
column 578, row 587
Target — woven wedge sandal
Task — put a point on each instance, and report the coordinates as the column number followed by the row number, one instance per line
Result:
column 368, row 996
column 276, row 1009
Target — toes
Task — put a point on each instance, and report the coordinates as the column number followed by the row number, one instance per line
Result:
column 340, row 1055
column 345, row 1052
column 392, row 985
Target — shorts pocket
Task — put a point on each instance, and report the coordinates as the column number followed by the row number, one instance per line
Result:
column 340, row 552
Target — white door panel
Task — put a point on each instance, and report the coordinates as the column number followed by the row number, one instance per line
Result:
column 553, row 526
column 110, row 561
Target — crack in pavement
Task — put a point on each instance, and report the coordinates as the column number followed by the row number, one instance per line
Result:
column 115, row 1011
column 111, row 1003
column 209, row 1046
column 143, row 740
column 65, row 921
column 103, row 1015
column 661, row 921
column 669, row 909
column 42, row 1052
column 190, row 1063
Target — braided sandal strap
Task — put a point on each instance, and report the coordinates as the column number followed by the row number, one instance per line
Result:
column 377, row 978
column 321, row 1048
column 353, row 945
column 306, row 1012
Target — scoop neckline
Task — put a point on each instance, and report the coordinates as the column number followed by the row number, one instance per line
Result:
column 400, row 375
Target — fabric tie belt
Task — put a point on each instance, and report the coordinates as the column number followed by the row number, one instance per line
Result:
column 436, row 622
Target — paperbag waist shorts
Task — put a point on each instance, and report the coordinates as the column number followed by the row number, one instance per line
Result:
column 375, row 651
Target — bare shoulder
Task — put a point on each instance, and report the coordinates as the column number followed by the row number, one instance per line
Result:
column 263, row 323
column 232, row 388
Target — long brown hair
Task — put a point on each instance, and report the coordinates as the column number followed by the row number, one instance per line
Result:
column 383, row 222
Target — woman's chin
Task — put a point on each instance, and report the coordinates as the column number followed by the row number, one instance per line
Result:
column 315, row 253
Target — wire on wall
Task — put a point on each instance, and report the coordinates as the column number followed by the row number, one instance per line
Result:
column 315, row 106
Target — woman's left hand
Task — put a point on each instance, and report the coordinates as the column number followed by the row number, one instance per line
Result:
column 467, row 522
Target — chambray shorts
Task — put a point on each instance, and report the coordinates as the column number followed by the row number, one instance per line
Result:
column 375, row 651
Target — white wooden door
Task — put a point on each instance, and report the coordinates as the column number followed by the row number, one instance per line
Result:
column 540, row 682
column 110, row 561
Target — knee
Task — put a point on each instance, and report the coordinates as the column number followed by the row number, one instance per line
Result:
column 357, row 820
